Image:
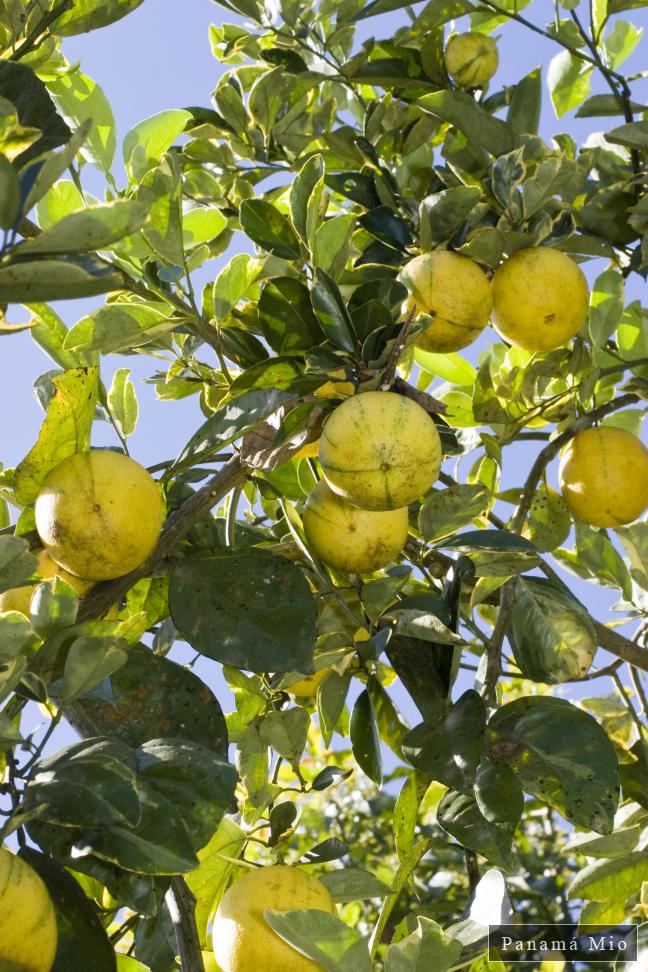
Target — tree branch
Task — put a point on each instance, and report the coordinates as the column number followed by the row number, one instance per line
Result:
column 182, row 904
column 496, row 640
column 30, row 42
column 430, row 404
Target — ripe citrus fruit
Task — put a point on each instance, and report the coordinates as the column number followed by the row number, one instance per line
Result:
column 243, row 940
column 307, row 686
column 454, row 291
column 28, row 935
column 99, row 514
column 19, row 598
column 350, row 539
column 471, row 59
column 380, row 451
column 604, row 476
column 540, row 299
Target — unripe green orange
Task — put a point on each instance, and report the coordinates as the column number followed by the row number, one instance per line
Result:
column 380, row 451
column 28, row 934
column 19, row 598
column 471, row 59
column 244, row 941
column 99, row 514
column 540, row 299
column 454, row 291
column 604, row 476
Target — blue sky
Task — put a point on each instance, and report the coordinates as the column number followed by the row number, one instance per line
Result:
column 158, row 58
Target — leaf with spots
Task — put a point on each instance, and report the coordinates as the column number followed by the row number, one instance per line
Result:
column 154, row 697
column 246, row 608
column 561, row 755
column 65, row 431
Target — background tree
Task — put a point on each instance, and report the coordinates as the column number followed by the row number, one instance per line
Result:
column 340, row 162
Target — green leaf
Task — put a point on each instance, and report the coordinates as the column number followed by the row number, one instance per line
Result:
column 451, row 750
column 233, row 281
column 498, row 793
column 60, row 200
column 323, row 938
column 331, row 311
column 230, row 422
column 552, row 635
column 90, row 14
column 353, row 884
column 89, row 229
column 489, row 540
column 548, row 522
column 160, row 193
column 331, row 697
column 20, row 86
column 88, row 661
column 460, row 816
column 65, row 431
column 461, row 110
column 562, row 756
column 47, row 174
column 526, row 104
column 122, row 401
column 451, row 367
column 236, row 594
column 604, row 106
column 16, row 636
column 448, row 510
column 192, row 778
column 116, row 326
column 49, row 333
column 269, row 228
column 286, row 316
column 615, row 879
column 607, row 302
column 80, row 99
column 39, row 280
column 569, row 79
column 306, row 194
column 17, row 564
column 82, row 939
column 151, row 138
column 634, row 135
column 10, row 194
column 286, row 731
column 620, row 42
column 426, row 948
column 365, row 741
column 442, row 213
column 54, row 606
column 329, row 244
column 201, row 225
column 209, row 880
column 154, row 697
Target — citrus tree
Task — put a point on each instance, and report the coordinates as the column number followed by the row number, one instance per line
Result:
column 336, row 536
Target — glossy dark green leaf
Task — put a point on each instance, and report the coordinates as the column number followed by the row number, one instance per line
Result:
column 498, row 793
column 387, row 226
column 287, row 318
column 82, row 939
column 282, row 818
column 329, row 776
column 488, row 540
column 365, row 741
column 64, row 278
column 561, row 755
column 268, row 227
column 306, row 196
column 460, row 816
column 247, row 608
column 442, row 213
column 10, row 194
column 331, row 311
column 155, row 697
column 24, row 89
column 331, row 697
column 331, row 849
column 451, row 750
column 192, row 778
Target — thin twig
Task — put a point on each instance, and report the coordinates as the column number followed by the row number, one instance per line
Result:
column 495, row 643
column 430, row 404
column 390, row 368
column 31, row 42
